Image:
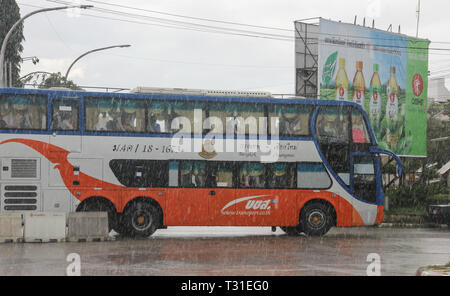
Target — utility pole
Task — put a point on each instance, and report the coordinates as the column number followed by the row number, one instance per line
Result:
column 418, row 18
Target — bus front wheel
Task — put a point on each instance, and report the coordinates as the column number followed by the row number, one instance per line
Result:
column 140, row 219
column 316, row 219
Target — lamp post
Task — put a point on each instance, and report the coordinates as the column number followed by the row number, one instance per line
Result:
column 11, row 31
column 89, row 52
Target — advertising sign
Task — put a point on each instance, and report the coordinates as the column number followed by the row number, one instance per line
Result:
column 386, row 73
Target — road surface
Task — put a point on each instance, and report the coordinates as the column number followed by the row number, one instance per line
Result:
column 216, row 251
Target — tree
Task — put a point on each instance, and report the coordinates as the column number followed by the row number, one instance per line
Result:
column 57, row 80
column 438, row 127
column 9, row 15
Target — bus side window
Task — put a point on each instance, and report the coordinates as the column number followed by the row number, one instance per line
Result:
column 65, row 115
column 312, row 176
column 219, row 175
column 28, row 112
column 252, row 175
column 294, row 120
column 332, row 125
column 141, row 173
column 281, row 175
column 173, row 173
column 193, row 174
column 160, row 116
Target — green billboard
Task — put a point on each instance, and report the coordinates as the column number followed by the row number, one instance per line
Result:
column 386, row 73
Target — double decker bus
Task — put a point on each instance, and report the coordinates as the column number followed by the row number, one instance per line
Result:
column 63, row 151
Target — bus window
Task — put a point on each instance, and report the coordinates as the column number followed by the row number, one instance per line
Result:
column 252, row 175
column 193, row 174
column 333, row 125
column 141, row 173
column 65, row 115
column 294, row 120
column 359, row 128
column 173, row 173
column 312, row 176
column 115, row 115
column 281, row 175
column 238, row 119
column 220, row 175
column 162, row 114
column 28, row 112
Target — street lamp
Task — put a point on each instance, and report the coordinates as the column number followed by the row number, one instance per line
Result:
column 10, row 32
column 91, row 51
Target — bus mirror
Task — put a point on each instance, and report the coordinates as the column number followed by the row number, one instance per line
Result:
column 389, row 153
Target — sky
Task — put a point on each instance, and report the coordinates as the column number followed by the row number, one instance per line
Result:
column 164, row 55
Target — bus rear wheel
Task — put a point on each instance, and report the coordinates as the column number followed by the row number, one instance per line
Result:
column 140, row 219
column 316, row 219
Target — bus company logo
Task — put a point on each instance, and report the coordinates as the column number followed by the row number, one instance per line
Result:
column 254, row 205
column 417, row 85
column 208, row 150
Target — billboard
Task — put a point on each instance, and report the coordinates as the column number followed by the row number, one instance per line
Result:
column 386, row 73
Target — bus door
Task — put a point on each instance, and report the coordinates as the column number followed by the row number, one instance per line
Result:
column 365, row 170
column 65, row 124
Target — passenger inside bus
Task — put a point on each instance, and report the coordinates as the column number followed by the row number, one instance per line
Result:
column 103, row 118
column 154, row 126
column 115, row 124
column 281, row 176
column 63, row 121
column 290, row 123
column 252, row 175
column 193, row 174
column 6, row 116
column 128, row 121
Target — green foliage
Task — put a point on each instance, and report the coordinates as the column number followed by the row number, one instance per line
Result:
column 438, row 152
column 57, row 80
column 414, row 196
column 9, row 15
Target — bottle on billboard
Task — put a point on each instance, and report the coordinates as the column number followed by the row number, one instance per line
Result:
column 392, row 109
column 341, row 82
column 375, row 97
column 359, row 85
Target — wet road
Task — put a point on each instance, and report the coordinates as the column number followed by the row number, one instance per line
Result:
column 237, row 251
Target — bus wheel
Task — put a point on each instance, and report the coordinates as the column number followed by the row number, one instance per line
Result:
column 140, row 219
column 316, row 219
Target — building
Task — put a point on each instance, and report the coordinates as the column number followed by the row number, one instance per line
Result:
column 437, row 91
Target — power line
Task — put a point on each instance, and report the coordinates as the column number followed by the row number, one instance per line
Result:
column 246, row 33
column 191, row 17
column 401, row 38
column 291, row 39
